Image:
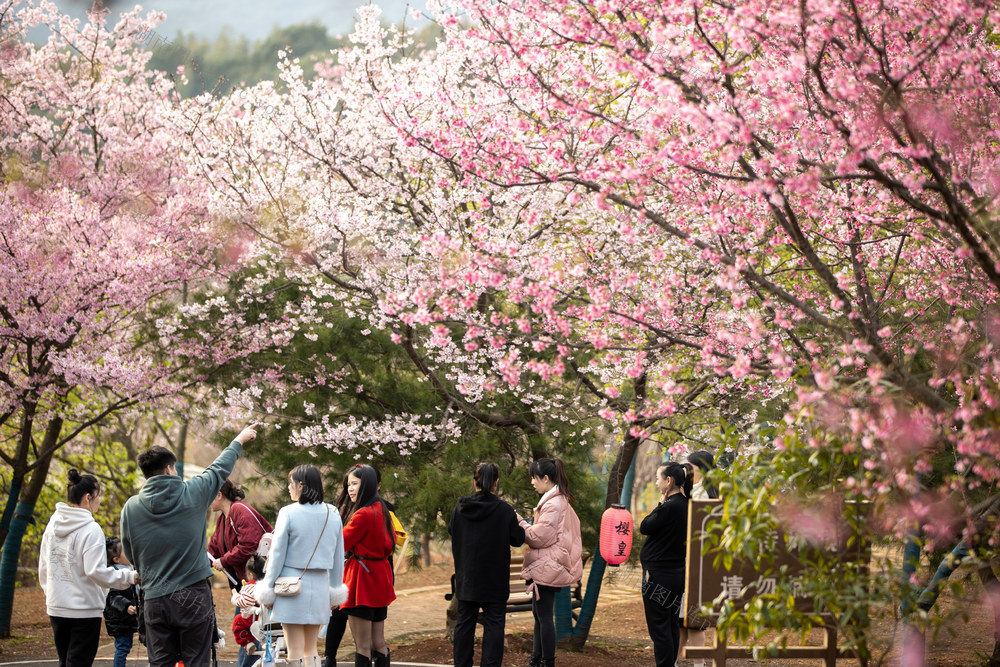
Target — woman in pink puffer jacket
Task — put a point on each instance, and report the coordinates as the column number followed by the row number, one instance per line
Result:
column 554, row 556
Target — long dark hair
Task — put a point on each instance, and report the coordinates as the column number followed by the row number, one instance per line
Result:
column 367, row 495
column 344, row 500
column 487, row 474
column 80, row 485
column 681, row 473
column 554, row 470
column 312, row 483
column 704, row 460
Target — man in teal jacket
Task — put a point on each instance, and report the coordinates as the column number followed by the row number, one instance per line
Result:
column 163, row 535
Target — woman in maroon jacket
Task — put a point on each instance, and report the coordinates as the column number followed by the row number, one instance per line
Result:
column 237, row 533
column 368, row 543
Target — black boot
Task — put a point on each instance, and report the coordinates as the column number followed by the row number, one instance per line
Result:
column 380, row 659
column 535, row 661
column 548, row 662
column 362, row 660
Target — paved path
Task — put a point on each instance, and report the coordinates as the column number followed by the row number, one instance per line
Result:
column 416, row 610
column 423, row 609
column 103, row 662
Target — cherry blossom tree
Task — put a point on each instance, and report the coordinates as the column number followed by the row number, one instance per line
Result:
column 104, row 234
column 643, row 205
column 831, row 169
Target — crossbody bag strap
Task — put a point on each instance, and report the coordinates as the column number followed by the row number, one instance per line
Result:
column 232, row 524
column 318, row 540
column 253, row 513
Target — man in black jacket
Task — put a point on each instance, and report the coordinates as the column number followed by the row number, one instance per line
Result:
column 483, row 528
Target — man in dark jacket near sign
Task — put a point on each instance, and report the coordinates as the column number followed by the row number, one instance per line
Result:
column 483, row 528
column 163, row 535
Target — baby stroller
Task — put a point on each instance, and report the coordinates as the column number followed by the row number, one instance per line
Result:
column 272, row 641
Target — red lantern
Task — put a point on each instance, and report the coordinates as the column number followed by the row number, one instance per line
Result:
column 616, row 535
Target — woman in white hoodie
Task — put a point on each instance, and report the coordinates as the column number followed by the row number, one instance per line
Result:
column 74, row 573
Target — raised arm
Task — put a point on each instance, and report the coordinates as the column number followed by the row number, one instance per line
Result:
column 205, row 486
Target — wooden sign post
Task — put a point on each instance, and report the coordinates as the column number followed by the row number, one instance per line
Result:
column 705, row 583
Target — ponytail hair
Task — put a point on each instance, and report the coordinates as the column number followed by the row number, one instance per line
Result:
column 486, row 476
column 231, row 492
column 681, row 473
column 554, row 470
column 688, row 479
column 80, row 485
column 255, row 565
column 113, row 547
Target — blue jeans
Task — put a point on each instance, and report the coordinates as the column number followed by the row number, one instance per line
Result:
column 123, row 645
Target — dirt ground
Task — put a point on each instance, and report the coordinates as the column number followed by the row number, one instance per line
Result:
column 618, row 636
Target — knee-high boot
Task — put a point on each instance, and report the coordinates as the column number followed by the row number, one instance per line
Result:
column 381, row 659
column 362, row 660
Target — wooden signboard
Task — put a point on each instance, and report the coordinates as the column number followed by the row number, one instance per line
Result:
column 747, row 578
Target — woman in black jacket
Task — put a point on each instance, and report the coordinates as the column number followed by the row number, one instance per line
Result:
column 483, row 528
column 662, row 557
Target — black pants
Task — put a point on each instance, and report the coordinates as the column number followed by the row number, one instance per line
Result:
column 494, row 621
column 335, row 629
column 662, row 594
column 181, row 626
column 76, row 639
column 544, row 641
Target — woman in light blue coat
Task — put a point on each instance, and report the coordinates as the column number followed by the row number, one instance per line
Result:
column 309, row 544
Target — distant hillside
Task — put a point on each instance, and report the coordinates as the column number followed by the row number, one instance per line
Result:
column 217, row 65
column 253, row 19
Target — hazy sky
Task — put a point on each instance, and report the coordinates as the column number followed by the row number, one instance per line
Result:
column 252, row 18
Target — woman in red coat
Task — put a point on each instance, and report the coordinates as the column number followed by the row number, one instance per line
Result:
column 368, row 543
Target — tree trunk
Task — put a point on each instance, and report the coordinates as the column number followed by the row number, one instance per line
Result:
column 8, row 510
column 911, row 560
column 620, row 471
column 946, row 567
column 21, row 517
column 20, row 466
column 425, row 547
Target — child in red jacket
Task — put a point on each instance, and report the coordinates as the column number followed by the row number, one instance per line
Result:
column 243, row 630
